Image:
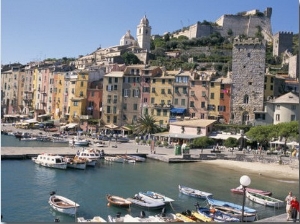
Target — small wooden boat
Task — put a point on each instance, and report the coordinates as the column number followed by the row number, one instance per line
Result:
column 117, row 201
column 155, row 196
column 214, row 202
column 94, row 219
column 184, row 218
column 233, row 209
column 237, row 213
column 265, row 200
column 143, row 202
column 239, row 190
column 212, row 215
column 193, row 192
column 137, row 158
column 63, row 204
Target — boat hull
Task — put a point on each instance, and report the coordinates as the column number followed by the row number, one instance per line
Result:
column 146, row 203
column 193, row 192
column 155, row 196
column 118, row 201
column 265, row 200
column 80, row 166
column 239, row 190
column 63, row 205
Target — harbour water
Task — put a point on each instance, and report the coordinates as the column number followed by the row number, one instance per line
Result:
column 26, row 186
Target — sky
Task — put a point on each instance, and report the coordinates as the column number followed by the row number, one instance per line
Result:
column 33, row 30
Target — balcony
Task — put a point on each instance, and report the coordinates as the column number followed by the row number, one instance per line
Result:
column 85, row 117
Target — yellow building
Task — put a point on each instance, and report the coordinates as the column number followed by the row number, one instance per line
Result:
column 161, row 95
column 214, row 99
column 60, row 96
column 78, row 86
column 273, row 86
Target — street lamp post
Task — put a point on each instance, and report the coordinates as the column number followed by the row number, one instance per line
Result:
column 245, row 181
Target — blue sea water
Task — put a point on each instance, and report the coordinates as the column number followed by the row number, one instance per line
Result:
column 25, row 188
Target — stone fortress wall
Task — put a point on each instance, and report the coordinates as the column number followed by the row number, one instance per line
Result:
column 239, row 24
column 282, row 41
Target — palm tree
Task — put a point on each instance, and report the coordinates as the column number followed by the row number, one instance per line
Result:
column 146, row 125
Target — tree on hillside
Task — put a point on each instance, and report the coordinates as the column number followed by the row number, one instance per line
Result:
column 146, row 125
column 130, row 58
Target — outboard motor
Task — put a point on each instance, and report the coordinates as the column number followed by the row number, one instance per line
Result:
column 118, row 215
column 56, row 220
column 142, row 214
column 163, row 212
column 188, row 212
column 52, row 193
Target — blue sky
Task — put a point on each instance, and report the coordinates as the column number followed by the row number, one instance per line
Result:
column 38, row 29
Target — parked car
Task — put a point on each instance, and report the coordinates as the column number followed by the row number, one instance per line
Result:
column 123, row 139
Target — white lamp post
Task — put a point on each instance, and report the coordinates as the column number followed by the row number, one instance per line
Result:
column 245, row 181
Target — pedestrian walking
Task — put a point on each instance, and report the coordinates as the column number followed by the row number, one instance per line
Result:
column 294, row 209
column 288, row 200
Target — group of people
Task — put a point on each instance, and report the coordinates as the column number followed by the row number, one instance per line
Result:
column 292, row 207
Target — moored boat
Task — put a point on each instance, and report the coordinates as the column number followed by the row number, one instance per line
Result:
column 149, row 204
column 117, row 159
column 239, row 190
column 235, row 210
column 94, row 219
column 50, row 160
column 155, row 196
column 265, row 200
column 194, row 192
column 184, row 218
column 75, row 163
column 118, row 201
column 213, row 215
column 63, row 204
column 90, row 155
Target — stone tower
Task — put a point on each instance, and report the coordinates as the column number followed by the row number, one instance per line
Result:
column 143, row 34
column 248, row 72
column 282, row 41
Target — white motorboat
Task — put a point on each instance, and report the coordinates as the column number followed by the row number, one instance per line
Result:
column 79, row 141
column 146, row 203
column 60, row 140
column 50, row 160
column 29, row 139
column 155, row 196
column 94, row 219
column 116, row 159
column 75, row 163
column 90, row 155
column 63, row 204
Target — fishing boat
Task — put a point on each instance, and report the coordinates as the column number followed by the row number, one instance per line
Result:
column 142, row 202
column 79, row 141
column 235, row 210
column 237, row 213
column 94, row 219
column 50, row 160
column 193, row 192
column 91, row 156
column 265, row 200
column 155, row 196
column 63, row 204
column 239, row 190
column 75, row 163
column 118, row 201
column 213, row 215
